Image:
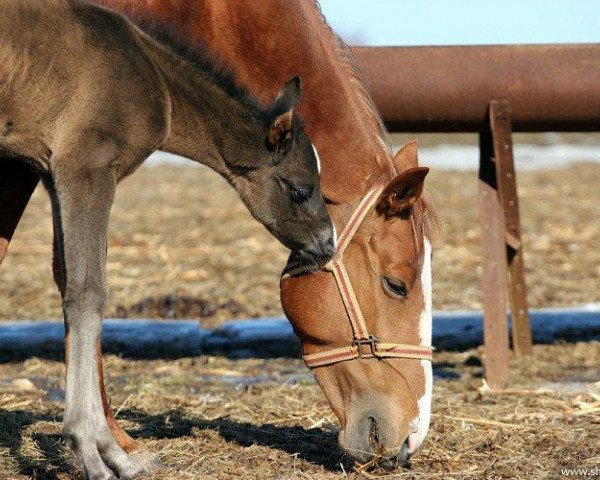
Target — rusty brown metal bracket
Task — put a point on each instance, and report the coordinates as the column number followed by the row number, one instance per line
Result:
column 17, row 183
column 502, row 246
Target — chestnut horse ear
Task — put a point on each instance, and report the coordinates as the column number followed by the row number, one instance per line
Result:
column 402, row 192
column 406, row 157
column 281, row 113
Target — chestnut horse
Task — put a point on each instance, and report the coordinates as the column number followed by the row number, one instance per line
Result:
column 349, row 315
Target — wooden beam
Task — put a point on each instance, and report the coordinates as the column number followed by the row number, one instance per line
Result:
column 494, row 267
column 500, row 122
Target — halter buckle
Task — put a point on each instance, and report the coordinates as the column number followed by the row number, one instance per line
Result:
column 367, row 347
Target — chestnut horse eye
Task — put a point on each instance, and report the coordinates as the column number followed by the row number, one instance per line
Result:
column 395, row 288
column 301, row 194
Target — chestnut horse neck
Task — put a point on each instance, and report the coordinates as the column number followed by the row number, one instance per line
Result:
column 340, row 117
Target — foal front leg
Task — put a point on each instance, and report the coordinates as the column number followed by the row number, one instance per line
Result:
column 82, row 199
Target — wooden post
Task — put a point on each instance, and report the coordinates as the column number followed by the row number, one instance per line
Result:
column 495, row 331
column 500, row 122
column 17, row 183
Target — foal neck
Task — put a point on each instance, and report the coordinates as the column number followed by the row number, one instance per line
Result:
column 210, row 116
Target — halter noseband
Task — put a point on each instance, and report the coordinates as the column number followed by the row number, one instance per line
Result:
column 364, row 345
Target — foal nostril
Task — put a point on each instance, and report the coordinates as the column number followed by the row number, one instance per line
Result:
column 329, row 247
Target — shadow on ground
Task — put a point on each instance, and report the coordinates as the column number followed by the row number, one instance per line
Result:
column 316, row 445
column 42, row 456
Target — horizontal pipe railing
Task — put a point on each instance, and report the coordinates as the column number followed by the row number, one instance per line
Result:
column 448, row 89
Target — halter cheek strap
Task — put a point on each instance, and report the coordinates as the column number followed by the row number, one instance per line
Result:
column 364, row 345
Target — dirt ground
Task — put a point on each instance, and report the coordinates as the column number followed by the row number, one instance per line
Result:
column 182, row 245
column 213, row 418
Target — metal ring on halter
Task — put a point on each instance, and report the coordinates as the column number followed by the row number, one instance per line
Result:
column 371, row 342
column 361, row 336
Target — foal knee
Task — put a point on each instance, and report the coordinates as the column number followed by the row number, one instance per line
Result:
column 85, row 297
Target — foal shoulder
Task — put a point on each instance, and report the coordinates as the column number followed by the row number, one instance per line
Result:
column 124, row 94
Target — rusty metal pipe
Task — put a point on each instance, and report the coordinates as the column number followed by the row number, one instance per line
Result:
column 448, row 89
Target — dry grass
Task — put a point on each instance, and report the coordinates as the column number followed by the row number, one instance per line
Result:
column 207, row 419
column 183, row 231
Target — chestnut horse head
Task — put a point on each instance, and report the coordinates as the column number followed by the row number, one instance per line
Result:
column 365, row 320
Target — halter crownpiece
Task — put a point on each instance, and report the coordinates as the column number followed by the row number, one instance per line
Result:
column 364, row 345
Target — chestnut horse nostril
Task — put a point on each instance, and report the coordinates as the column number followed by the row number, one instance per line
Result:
column 403, row 457
column 374, row 435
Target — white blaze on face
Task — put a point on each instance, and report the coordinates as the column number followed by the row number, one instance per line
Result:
column 425, row 325
column 317, row 157
column 319, row 170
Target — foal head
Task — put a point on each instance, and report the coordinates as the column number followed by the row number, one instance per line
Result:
column 279, row 181
column 380, row 392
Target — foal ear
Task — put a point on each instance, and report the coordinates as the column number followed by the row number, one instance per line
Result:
column 406, row 157
column 281, row 113
column 402, row 192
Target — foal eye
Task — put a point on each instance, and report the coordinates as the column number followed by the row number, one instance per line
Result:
column 395, row 288
column 301, row 194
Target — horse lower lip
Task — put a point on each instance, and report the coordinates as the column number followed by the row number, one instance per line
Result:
column 323, row 260
column 399, row 460
column 324, row 255
column 373, row 452
column 388, row 464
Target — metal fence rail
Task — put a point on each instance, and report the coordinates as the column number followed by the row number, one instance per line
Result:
column 448, row 89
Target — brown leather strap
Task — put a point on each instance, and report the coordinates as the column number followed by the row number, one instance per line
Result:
column 359, row 328
column 378, row 350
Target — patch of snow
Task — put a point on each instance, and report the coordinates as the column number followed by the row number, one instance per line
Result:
column 527, row 156
column 462, row 157
column 164, row 158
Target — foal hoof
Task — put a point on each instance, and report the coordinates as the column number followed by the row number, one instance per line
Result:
column 146, row 463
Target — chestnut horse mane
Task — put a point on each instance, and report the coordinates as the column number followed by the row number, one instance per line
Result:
column 424, row 218
column 194, row 55
column 346, row 57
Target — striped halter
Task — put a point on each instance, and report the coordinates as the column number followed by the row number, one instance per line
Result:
column 364, row 344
